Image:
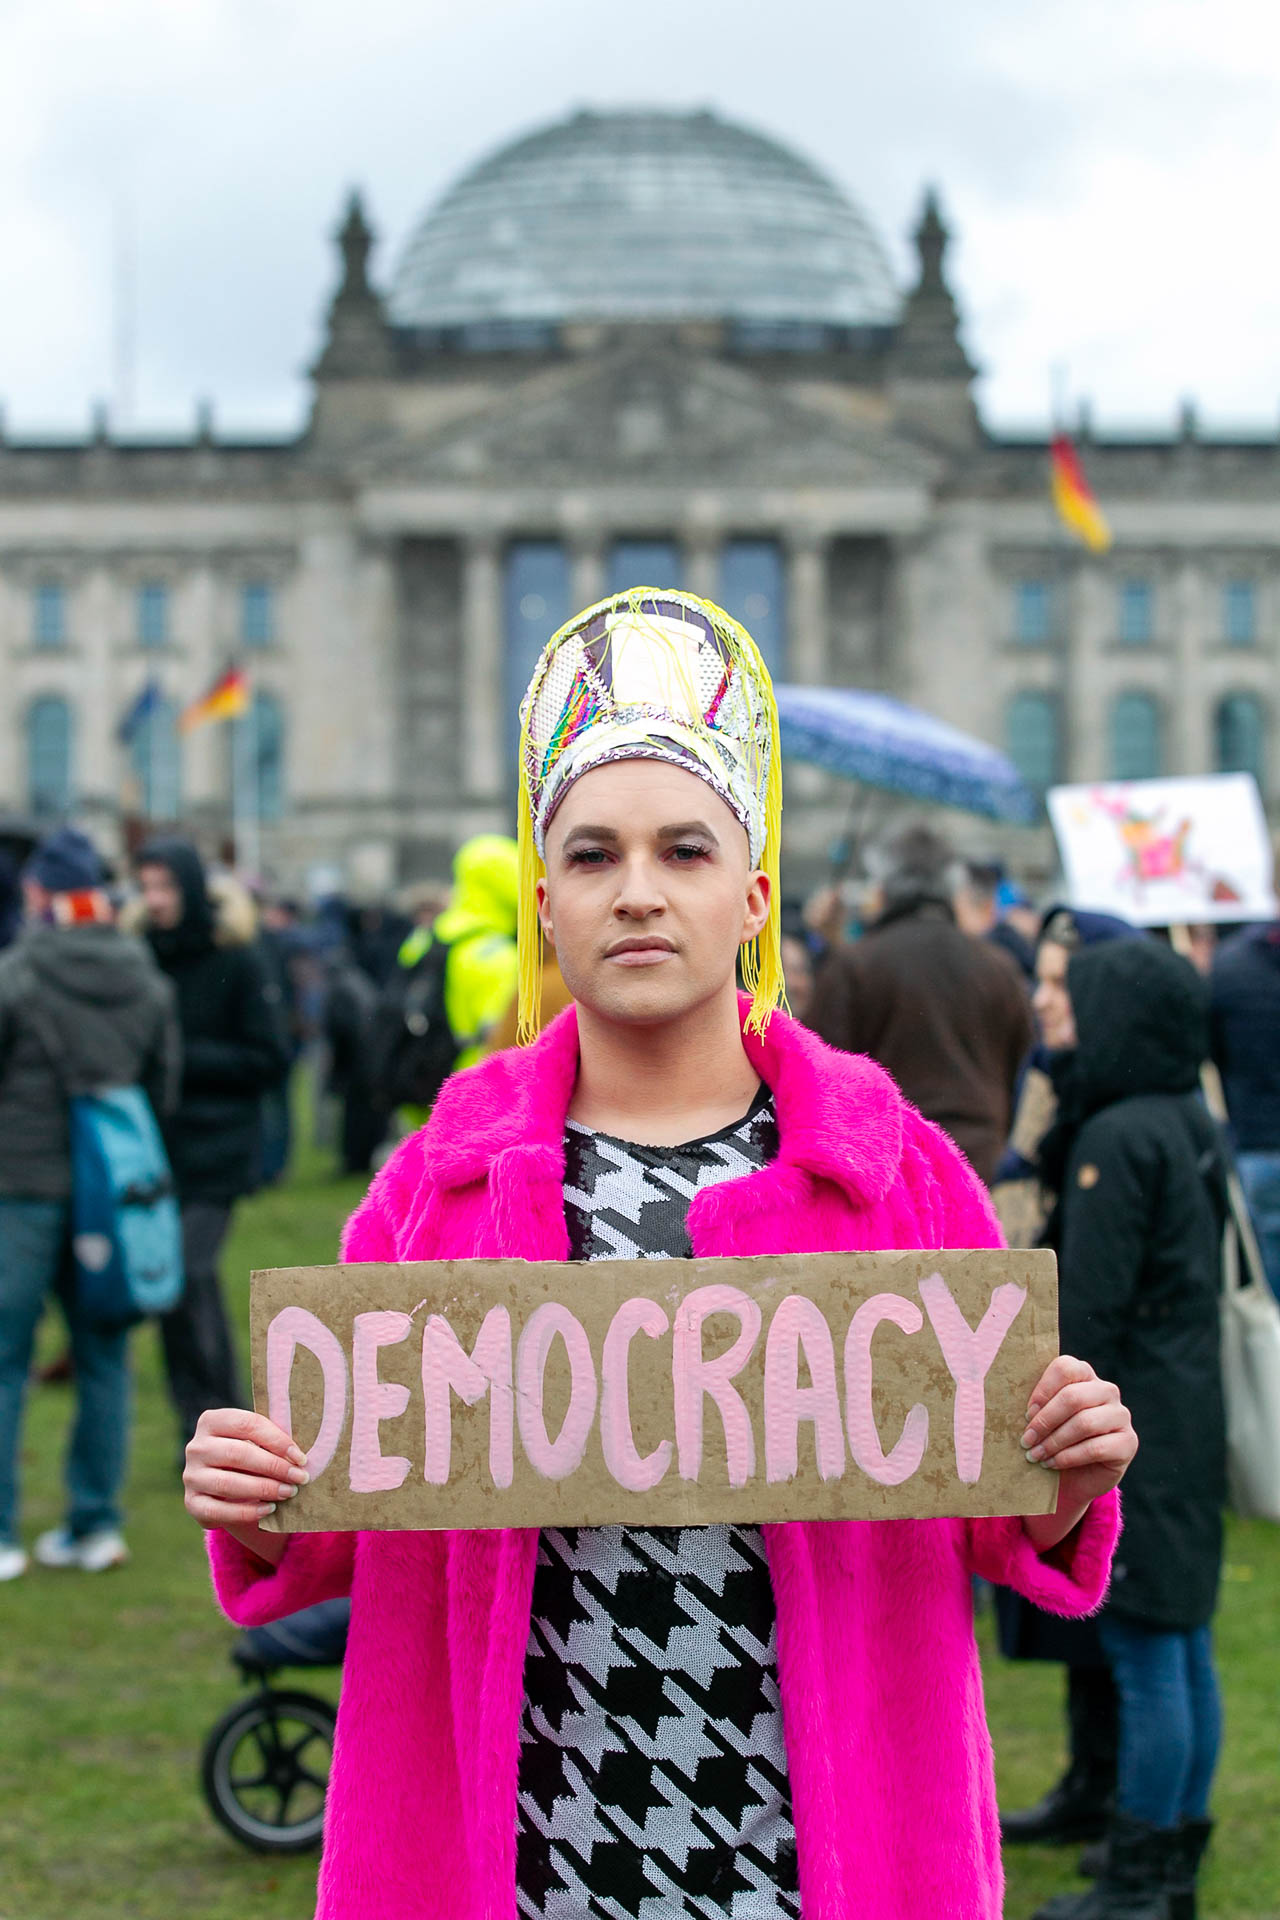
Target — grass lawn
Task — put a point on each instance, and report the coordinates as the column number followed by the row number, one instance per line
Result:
column 108, row 1685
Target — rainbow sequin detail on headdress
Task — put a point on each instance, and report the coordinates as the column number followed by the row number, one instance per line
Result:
column 653, row 674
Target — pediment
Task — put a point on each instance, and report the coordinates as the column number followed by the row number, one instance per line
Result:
column 651, row 414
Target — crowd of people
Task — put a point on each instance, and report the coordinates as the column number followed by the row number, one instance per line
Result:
column 1045, row 1067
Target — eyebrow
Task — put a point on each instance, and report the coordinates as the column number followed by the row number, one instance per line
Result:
column 682, row 830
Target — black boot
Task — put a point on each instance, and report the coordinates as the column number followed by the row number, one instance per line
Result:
column 1135, row 1884
column 1070, row 1812
column 1093, row 1861
column 1079, row 1806
column 1192, row 1838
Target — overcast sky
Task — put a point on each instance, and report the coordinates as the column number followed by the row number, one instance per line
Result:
column 1111, row 170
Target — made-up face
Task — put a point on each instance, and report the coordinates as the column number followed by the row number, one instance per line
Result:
column 1052, row 1001
column 649, row 892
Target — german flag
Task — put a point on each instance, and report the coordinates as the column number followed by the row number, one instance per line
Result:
column 226, row 699
column 1073, row 497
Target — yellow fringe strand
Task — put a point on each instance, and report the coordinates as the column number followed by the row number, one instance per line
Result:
column 761, row 957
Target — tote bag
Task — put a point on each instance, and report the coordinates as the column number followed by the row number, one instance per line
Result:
column 1250, row 1366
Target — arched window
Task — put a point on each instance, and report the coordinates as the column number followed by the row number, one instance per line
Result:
column 535, row 599
column 1135, row 746
column 752, row 589
column 1239, row 736
column 1032, row 735
column 49, row 756
column 155, row 754
column 257, row 759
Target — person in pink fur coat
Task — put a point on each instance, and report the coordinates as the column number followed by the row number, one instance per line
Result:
column 721, row 1721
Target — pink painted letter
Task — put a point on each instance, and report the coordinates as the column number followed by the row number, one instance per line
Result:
column 969, row 1354
column 799, row 1323
column 375, row 1400
column 554, row 1459
column 636, row 1472
column 294, row 1327
column 693, row 1378
column 487, row 1370
column 886, row 1469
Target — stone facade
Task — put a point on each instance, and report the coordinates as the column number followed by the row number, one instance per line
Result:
column 369, row 573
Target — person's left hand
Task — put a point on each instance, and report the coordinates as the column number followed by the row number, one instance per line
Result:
column 1079, row 1426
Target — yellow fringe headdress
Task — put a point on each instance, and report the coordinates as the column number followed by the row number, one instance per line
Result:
column 652, row 674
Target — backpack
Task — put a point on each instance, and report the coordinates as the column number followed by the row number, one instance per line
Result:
column 126, row 1229
column 412, row 1048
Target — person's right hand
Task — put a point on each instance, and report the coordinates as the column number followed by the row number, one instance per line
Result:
column 240, row 1466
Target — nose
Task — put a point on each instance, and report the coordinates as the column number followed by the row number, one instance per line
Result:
column 640, row 894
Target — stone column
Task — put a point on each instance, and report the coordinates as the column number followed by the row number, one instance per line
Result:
column 1089, row 614
column 586, row 568
column 700, row 561
column 1188, row 744
column 807, row 644
column 103, row 701
column 482, row 667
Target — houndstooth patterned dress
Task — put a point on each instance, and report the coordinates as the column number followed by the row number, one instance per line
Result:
column 653, row 1771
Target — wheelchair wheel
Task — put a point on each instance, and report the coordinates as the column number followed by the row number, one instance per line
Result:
column 265, row 1770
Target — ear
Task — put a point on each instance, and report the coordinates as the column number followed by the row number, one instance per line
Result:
column 759, row 891
column 544, row 911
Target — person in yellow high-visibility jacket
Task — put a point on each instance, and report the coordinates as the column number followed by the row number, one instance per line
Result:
column 479, row 925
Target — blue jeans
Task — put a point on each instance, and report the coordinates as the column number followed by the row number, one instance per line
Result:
column 34, row 1255
column 1170, row 1720
column 1260, row 1178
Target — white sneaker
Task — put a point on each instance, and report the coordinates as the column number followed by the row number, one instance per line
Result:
column 93, row 1553
column 13, row 1563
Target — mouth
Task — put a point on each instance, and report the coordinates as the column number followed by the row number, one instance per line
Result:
column 641, row 952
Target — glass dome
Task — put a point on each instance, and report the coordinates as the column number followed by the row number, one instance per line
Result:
column 644, row 216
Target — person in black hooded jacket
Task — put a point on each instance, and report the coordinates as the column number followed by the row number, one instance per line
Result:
column 234, row 1047
column 1136, row 1163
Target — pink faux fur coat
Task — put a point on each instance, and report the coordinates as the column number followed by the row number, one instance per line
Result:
column 890, row 1760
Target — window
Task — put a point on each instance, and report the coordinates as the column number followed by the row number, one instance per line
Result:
column 1239, row 729
column 535, row 603
column 752, row 589
column 155, row 754
column 643, row 563
column 1239, row 614
column 1135, row 613
column 49, row 757
column 1031, row 729
column 257, row 614
column 1135, row 749
column 153, row 614
column 49, row 614
column 1031, row 610
column 257, row 760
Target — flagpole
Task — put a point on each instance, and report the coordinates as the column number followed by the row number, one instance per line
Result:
column 1060, row 589
column 244, row 792
column 153, row 727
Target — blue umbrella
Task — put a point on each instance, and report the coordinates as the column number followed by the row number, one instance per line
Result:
column 882, row 742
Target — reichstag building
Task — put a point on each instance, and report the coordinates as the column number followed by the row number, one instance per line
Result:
column 632, row 347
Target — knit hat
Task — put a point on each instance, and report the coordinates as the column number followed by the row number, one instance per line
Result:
column 66, row 862
column 653, row 674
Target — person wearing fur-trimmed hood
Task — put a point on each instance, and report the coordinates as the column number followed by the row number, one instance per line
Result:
column 720, row 1720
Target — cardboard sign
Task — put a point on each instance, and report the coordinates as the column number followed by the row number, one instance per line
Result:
column 500, row 1393
column 1165, row 853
